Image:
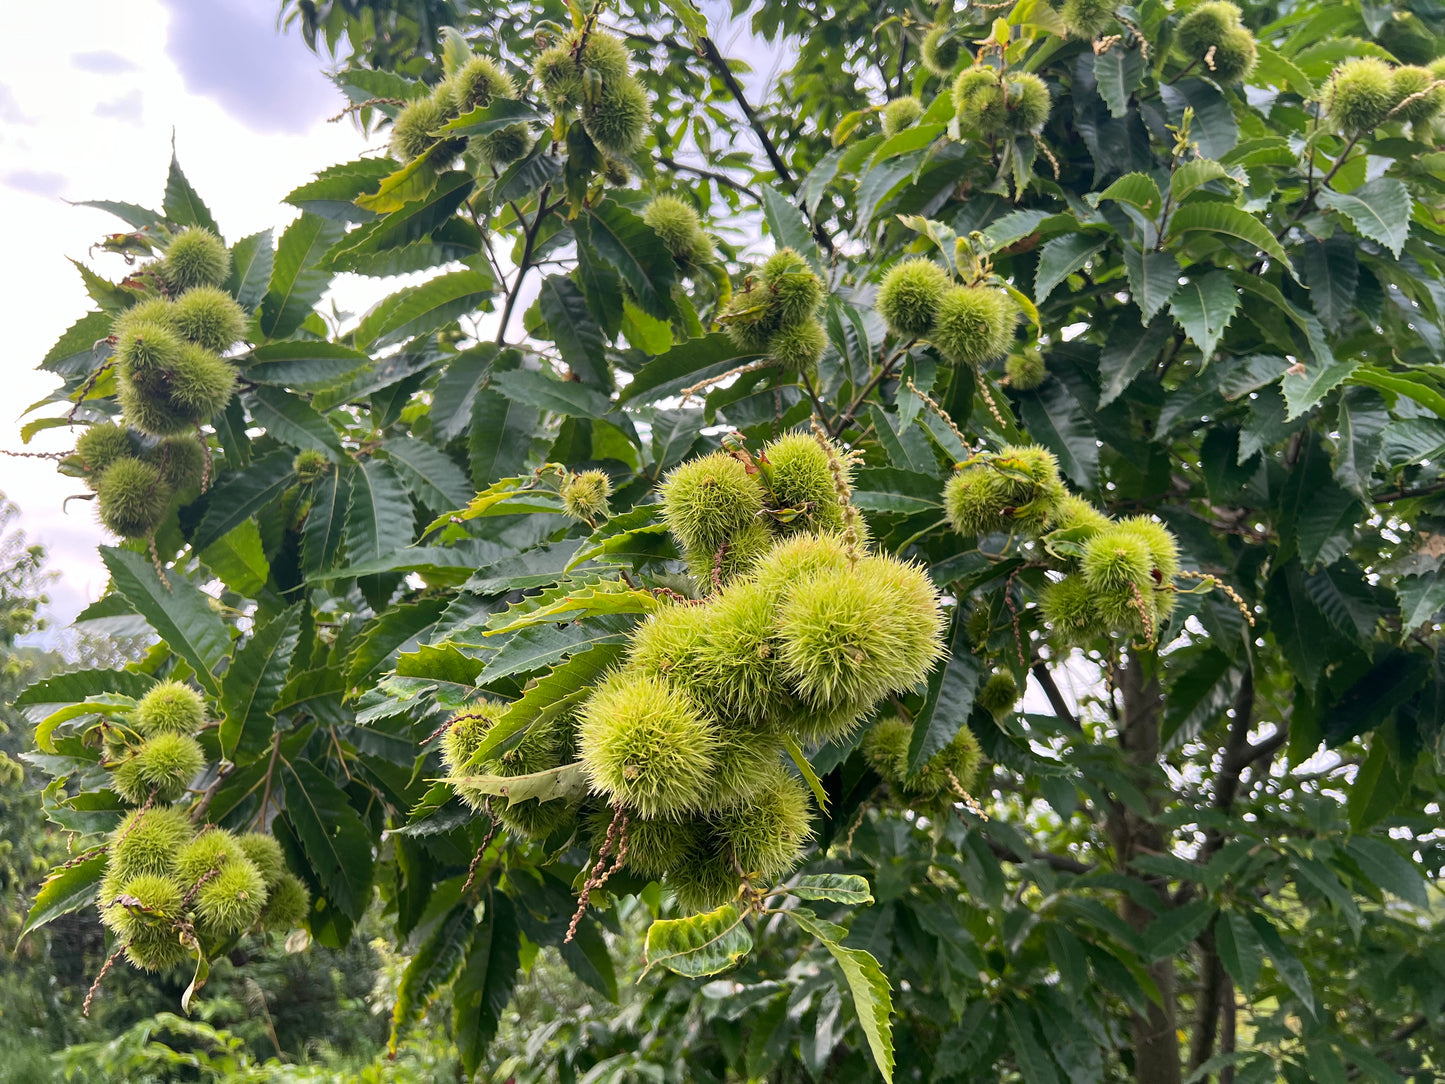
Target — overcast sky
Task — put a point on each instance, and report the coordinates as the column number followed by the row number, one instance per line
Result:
column 248, row 107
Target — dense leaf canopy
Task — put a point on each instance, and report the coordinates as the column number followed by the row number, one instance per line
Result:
column 1224, row 239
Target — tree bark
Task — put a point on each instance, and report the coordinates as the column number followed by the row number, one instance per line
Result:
column 1155, row 1037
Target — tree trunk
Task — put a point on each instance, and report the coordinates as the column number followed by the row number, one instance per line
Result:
column 1155, row 1035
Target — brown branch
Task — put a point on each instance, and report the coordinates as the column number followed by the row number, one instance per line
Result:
column 709, row 52
column 1056, row 697
column 711, row 174
column 1062, row 863
column 1403, row 494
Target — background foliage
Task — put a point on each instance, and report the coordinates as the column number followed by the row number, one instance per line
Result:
column 1221, row 863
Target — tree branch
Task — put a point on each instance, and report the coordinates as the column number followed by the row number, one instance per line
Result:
column 719, row 64
column 1060, row 862
column 1056, row 697
column 529, row 240
column 712, row 174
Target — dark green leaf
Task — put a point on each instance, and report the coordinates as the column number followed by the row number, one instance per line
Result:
column 336, row 841
column 241, row 494
column 252, row 684
column 1389, row 870
column 1240, row 949
column 1213, row 128
column 251, row 261
column 182, row 205
column 951, row 690
column 634, row 251
column 576, row 333
column 66, row 889
column 182, row 615
column 685, row 364
column 1060, row 423
column 292, row 420
column 296, row 281
column 789, row 228
column 417, row 310
column 436, row 481
column 1204, row 306
column 500, row 438
column 1061, row 257
column 1379, row 209
column 482, row 990
column 1153, row 280
column 379, row 520
column 536, row 389
column 306, row 365
column 1332, row 272
column 325, row 526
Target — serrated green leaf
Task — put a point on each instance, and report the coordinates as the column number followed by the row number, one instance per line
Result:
column 1389, row 870
column 434, row 478
column 1171, row 932
column 296, row 281
column 484, row 987
column 1240, row 949
column 1285, row 962
column 431, row 967
column 485, row 119
column 292, row 420
column 566, row 783
column 417, row 310
column 702, row 944
column 1213, row 128
column 76, row 685
column 184, row 617
column 333, row 193
column 1118, row 71
column 253, row 683
column 834, row 887
column 1421, row 599
column 790, row 229
column 545, row 393
column 578, row 336
column 630, row 246
column 76, row 350
column 379, row 519
column 413, row 181
column 251, row 261
column 65, row 890
column 1379, row 209
column 553, row 694
column 952, row 687
column 1228, row 221
column 306, row 365
column 1060, row 423
column 336, row 842
column 872, row 996
column 685, row 364
column 111, row 704
column 1061, row 257
column 1194, row 173
column 1137, row 190
column 325, row 526
column 1035, row 1064
column 607, row 597
column 238, row 559
column 1204, row 306
column 241, row 494
column 500, row 437
column 1153, row 280
column 182, row 205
